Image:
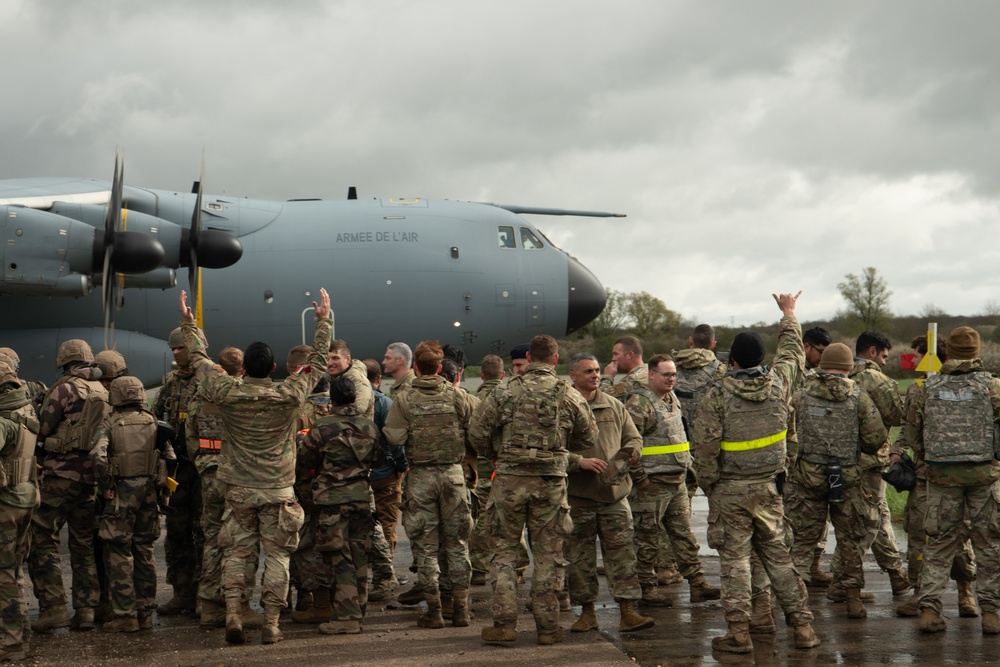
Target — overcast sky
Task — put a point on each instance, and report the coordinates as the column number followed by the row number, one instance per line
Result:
column 755, row 146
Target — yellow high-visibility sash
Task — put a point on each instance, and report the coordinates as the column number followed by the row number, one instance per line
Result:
column 759, row 443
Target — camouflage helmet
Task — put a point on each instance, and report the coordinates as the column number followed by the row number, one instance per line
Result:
column 74, row 350
column 8, row 370
column 126, row 389
column 9, row 352
column 176, row 338
column 111, row 363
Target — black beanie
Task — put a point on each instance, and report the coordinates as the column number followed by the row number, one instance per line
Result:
column 747, row 349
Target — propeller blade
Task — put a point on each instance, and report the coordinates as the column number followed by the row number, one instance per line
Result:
column 194, row 238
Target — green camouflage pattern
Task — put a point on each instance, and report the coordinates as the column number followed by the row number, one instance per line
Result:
column 612, row 521
column 430, row 419
column 637, row 376
column 884, row 391
column 128, row 528
column 340, row 448
column 659, row 421
column 963, row 566
column 343, row 536
column 16, row 506
column 663, row 507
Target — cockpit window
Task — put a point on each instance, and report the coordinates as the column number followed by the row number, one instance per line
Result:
column 505, row 236
column 528, row 239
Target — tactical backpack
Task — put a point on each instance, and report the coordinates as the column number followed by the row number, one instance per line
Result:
column 958, row 419
column 132, row 450
column 79, row 435
column 693, row 383
column 18, row 466
column 829, row 431
column 435, row 436
column 532, row 421
column 753, row 437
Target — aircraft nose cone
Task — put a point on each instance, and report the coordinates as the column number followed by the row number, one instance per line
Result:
column 587, row 296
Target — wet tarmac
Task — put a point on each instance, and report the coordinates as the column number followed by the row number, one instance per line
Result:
column 681, row 638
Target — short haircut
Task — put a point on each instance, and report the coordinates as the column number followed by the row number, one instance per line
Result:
column 631, row 344
column 869, row 338
column 919, row 344
column 577, row 358
column 402, row 350
column 258, row 359
column 817, row 336
column 656, row 360
column 491, row 367
column 231, row 360
column 543, row 348
column 298, row 356
column 340, row 345
column 342, row 391
column 456, row 353
column 374, row 370
column 428, row 356
column 450, row 369
column 703, row 336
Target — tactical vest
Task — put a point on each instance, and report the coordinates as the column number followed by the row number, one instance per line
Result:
column 666, row 450
column 753, row 433
column 435, row 435
column 531, row 429
column 958, row 419
column 18, row 466
column 692, row 384
column 79, row 435
column 209, row 422
column 132, row 450
column 829, row 431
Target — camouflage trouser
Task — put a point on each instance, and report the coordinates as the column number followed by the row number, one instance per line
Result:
column 308, row 567
column 540, row 503
column 663, row 507
column 380, row 555
column 855, row 521
column 612, row 522
column 945, row 524
column 343, row 536
column 963, row 567
column 64, row 501
column 185, row 541
column 213, row 504
column 437, row 518
column 479, row 541
column 388, row 498
column 884, row 546
column 129, row 527
column 255, row 519
column 746, row 517
column 15, row 524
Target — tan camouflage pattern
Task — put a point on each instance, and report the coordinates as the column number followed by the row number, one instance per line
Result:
column 697, row 370
column 636, row 376
column 612, row 522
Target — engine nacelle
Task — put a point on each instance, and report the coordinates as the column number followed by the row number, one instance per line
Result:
column 161, row 278
column 164, row 231
column 44, row 254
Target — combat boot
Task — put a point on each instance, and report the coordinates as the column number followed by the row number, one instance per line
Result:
column 631, row 620
column 761, row 616
column 564, row 601
column 146, row 620
column 56, row 616
column 805, row 636
column 13, row 652
column 837, row 593
column 701, row 591
column 991, row 623
column 737, row 640
column 341, row 628
column 478, row 578
column 104, row 613
column 550, row 638
column 321, row 610
column 931, row 621
column 900, row 584
column 499, row 632
column 383, row 588
column 413, row 596
column 668, row 576
column 855, row 607
column 460, row 608
column 446, row 605
column 817, row 577
column 234, row 622
column 83, row 619
column 303, row 599
column 587, row 620
column 251, row 619
column 655, row 596
column 433, row 618
column 212, row 615
column 967, row 607
column 178, row 604
column 270, row 633
column 122, row 624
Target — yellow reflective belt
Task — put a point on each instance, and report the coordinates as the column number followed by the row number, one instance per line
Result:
column 759, row 443
column 666, row 449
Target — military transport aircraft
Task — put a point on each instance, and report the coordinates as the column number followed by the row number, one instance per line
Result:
column 475, row 275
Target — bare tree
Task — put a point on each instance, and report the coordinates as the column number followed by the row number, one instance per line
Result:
column 867, row 297
column 612, row 318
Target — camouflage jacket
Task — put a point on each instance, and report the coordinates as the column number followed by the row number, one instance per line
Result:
column 615, row 432
column 833, row 387
column 884, row 391
column 403, row 383
column 575, row 428
column 638, row 375
column 398, row 426
column 484, row 466
column 746, row 384
column 173, row 403
column 204, row 435
column 695, row 374
column 340, row 448
column 357, row 373
column 258, row 415
column 395, row 456
column 63, row 402
column 901, row 444
column 956, row 474
column 24, row 495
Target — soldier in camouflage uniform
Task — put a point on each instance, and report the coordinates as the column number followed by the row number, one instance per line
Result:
column 738, row 434
column 697, row 369
column 951, row 424
column 185, row 540
column 258, row 466
column 834, row 422
column 538, row 418
column 397, row 364
column 71, row 412
column 18, row 498
column 599, row 505
column 431, row 419
column 341, row 448
column 659, row 498
column 34, row 389
column 131, row 472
